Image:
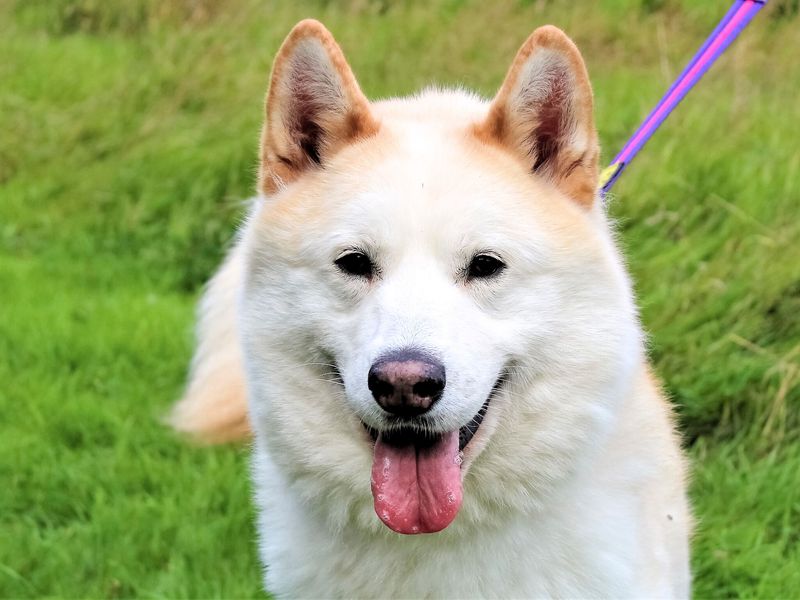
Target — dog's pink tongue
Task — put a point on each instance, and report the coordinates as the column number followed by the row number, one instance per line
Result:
column 417, row 489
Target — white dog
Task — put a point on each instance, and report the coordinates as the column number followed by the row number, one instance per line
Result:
column 436, row 335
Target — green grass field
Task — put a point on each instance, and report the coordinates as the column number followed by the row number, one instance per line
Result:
column 128, row 133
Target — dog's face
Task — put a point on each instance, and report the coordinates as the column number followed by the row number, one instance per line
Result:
column 430, row 289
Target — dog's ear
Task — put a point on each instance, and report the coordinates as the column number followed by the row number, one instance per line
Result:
column 314, row 106
column 543, row 114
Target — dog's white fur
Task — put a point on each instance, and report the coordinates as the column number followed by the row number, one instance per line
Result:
column 574, row 483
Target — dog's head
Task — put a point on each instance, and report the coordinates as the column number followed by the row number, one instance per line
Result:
column 432, row 295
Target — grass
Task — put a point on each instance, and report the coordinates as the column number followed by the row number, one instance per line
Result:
column 129, row 134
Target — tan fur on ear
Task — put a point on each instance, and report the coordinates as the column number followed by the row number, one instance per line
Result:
column 314, row 106
column 543, row 113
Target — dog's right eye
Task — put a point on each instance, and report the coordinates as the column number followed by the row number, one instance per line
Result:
column 484, row 266
column 355, row 263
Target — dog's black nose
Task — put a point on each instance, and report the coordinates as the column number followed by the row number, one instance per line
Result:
column 406, row 383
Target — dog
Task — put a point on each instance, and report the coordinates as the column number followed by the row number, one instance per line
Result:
column 427, row 326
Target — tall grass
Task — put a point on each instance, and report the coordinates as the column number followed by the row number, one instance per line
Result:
column 128, row 135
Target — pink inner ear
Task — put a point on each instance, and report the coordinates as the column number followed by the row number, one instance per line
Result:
column 552, row 112
column 307, row 90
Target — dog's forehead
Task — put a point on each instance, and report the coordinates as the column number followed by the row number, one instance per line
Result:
column 435, row 108
column 423, row 174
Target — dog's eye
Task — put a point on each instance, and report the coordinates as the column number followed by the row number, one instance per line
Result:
column 484, row 265
column 356, row 263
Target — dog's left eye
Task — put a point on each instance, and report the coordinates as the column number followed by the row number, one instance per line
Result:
column 355, row 263
column 484, row 265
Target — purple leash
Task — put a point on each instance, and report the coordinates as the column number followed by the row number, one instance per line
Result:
column 737, row 18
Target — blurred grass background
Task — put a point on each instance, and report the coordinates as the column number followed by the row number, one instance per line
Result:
column 128, row 135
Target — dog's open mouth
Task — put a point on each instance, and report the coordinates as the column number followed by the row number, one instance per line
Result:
column 416, row 477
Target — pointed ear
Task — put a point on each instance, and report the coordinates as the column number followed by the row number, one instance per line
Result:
column 543, row 114
column 314, row 107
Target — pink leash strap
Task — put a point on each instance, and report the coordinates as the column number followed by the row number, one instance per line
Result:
column 736, row 19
